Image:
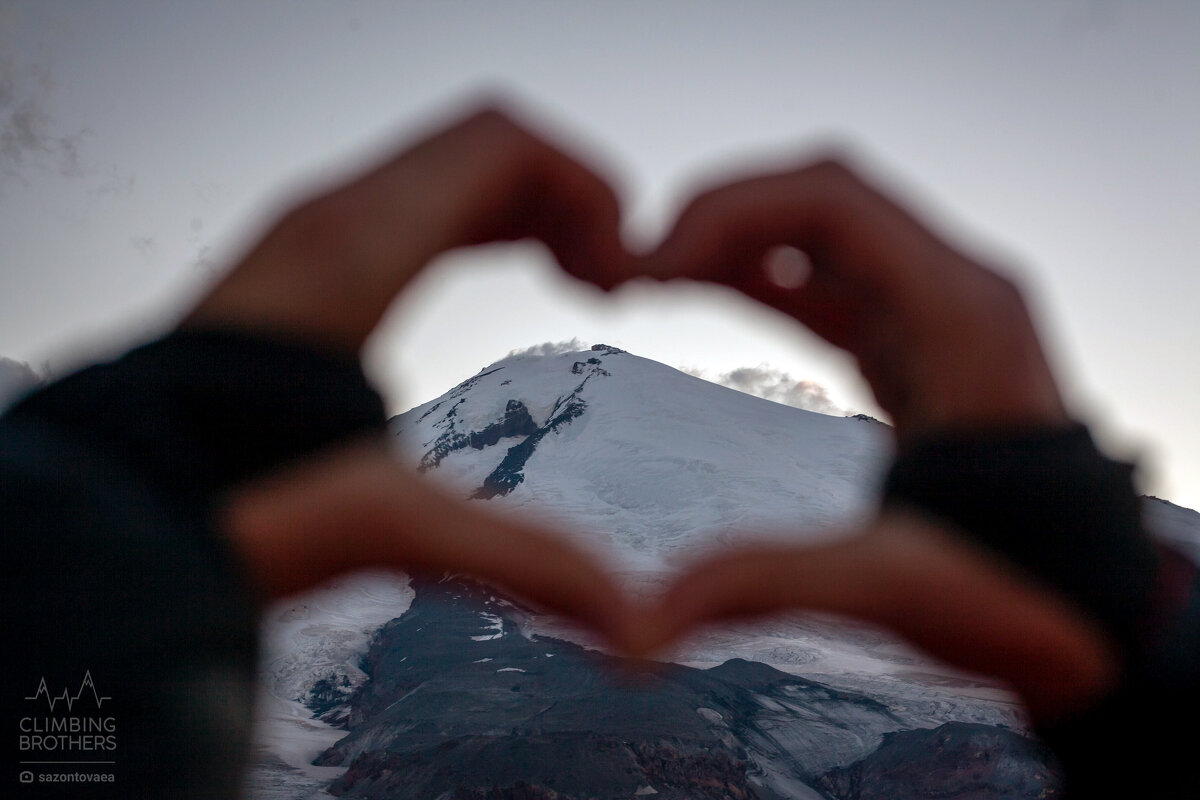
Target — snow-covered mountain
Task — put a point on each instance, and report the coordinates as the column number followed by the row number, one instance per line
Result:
column 645, row 465
column 641, row 460
column 649, row 466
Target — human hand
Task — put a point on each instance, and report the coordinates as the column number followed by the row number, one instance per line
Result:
column 947, row 346
column 326, row 272
column 943, row 341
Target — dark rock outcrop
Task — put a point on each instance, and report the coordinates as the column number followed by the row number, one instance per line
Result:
column 962, row 760
column 515, row 422
column 460, row 702
column 509, row 474
column 328, row 697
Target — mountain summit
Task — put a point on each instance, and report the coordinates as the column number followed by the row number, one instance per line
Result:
column 642, row 459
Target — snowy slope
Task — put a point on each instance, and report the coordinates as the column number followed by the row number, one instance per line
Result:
column 1173, row 524
column 649, row 466
column 319, row 636
column 642, row 460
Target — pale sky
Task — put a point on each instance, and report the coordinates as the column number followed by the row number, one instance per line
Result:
column 142, row 144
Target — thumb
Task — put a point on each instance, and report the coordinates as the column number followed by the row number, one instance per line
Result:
column 919, row 580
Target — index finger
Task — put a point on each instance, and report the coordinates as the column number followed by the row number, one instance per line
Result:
column 922, row 582
column 942, row 340
column 492, row 177
column 826, row 210
column 357, row 507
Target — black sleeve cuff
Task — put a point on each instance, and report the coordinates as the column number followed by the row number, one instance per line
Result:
column 1048, row 501
column 199, row 411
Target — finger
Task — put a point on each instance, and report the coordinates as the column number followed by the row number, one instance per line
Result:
column 873, row 265
column 923, row 583
column 559, row 201
column 488, row 177
column 942, row 340
column 877, row 275
column 330, row 268
column 824, row 209
column 357, row 508
column 529, row 560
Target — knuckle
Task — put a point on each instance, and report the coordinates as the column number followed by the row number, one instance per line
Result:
column 492, row 122
column 843, row 189
column 703, row 207
column 1007, row 297
column 492, row 116
column 320, row 226
column 836, row 166
column 506, row 139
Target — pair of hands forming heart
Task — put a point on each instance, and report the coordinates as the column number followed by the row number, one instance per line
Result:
column 944, row 343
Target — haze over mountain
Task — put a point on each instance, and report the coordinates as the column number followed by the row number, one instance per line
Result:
column 446, row 687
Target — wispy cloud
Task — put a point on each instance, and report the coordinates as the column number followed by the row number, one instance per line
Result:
column 550, row 348
column 774, row 384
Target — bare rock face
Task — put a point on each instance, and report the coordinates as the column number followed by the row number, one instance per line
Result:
column 460, row 703
column 959, row 759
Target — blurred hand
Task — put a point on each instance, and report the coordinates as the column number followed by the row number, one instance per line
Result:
column 943, row 341
column 924, row 582
column 945, row 344
column 330, row 268
column 327, row 272
column 359, row 507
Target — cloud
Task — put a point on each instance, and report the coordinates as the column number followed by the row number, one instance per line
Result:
column 773, row 384
column 550, row 348
column 16, row 378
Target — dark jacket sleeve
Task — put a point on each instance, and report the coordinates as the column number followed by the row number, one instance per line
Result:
column 1048, row 501
column 131, row 629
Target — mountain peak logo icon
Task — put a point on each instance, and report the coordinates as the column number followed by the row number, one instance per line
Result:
column 88, row 685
